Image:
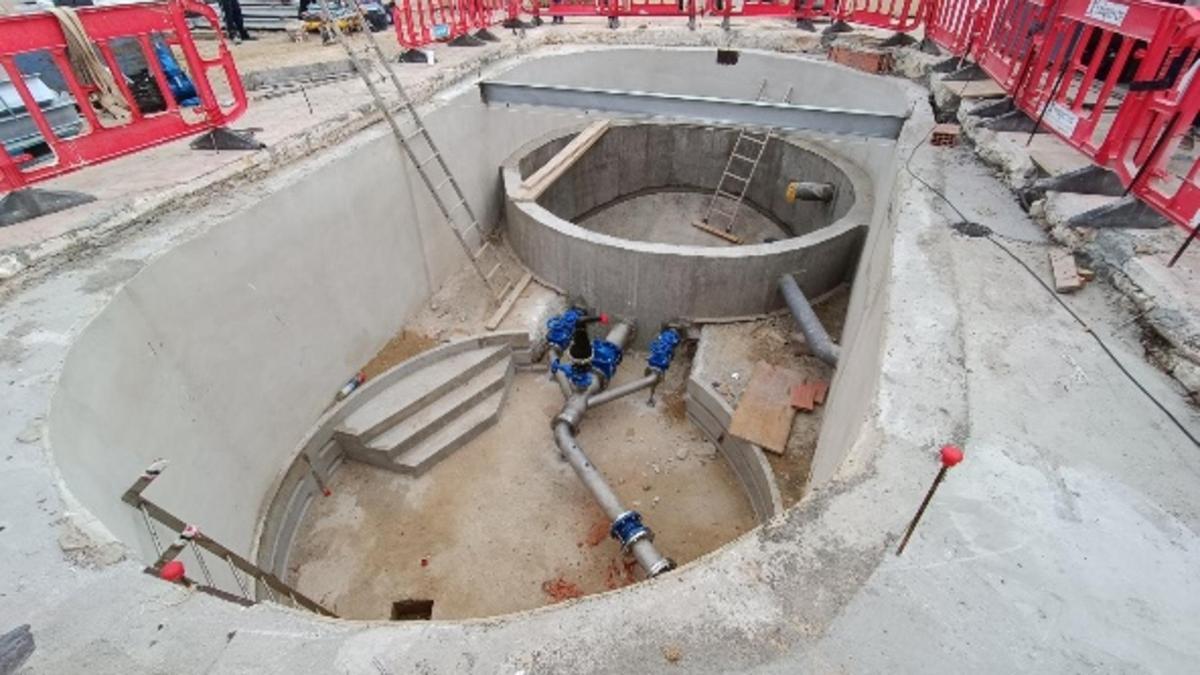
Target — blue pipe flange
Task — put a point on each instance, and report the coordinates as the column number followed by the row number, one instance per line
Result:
column 628, row 529
column 662, row 350
column 580, row 376
column 606, row 356
column 560, row 329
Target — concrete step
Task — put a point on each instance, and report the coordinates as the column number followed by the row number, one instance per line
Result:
column 442, row 412
column 419, row 458
column 415, row 392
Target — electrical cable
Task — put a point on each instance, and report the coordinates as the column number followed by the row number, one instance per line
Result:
column 994, row 238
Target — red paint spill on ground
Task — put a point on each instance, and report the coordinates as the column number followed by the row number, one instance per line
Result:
column 597, row 533
column 560, row 589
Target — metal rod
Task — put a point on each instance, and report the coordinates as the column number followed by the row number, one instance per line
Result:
column 1186, row 242
column 1062, row 73
column 921, row 511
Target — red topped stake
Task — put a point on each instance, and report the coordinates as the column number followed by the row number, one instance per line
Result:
column 951, row 455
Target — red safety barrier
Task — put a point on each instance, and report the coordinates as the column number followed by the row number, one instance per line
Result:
column 1008, row 31
column 783, row 9
column 96, row 137
column 954, row 25
column 420, row 23
column 898, row 15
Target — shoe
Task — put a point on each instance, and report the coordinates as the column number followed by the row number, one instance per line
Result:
column 248, row 37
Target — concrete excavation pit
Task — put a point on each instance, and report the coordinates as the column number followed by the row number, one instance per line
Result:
column 286, row 425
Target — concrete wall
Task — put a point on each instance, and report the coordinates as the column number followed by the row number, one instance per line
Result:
column 221, row 353
column 656, row 282
column 633, row 158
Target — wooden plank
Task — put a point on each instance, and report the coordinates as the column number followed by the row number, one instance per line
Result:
column 764, row 413
column 537, row 183
column 727, row 236
column 1066, row 274
column 506, row 306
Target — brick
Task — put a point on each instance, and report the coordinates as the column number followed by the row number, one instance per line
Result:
column 866, row 60
column 820, row 389
column 804, row 397
column 945, row 135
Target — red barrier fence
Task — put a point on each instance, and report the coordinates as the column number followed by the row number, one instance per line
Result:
column 420, row 23
column 174, row 97
column 898, row 15
column 954, row 24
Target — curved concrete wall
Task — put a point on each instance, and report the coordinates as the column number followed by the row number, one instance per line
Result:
column 655, row 282
column 635, row 158
column 220, row 353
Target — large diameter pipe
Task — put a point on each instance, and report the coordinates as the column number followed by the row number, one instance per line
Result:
column 819, row 342
column 653, row 562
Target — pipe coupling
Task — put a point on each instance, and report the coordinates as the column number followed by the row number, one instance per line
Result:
column 629, row 530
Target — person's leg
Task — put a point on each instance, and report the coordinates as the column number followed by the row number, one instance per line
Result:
column 227, row 13
column 241, row 24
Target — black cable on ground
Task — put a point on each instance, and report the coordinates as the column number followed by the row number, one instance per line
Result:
column 993, row 237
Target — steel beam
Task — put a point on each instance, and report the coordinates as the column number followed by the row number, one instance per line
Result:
column 698, row 108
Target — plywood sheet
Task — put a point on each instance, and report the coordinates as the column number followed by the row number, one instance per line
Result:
column 764, row 413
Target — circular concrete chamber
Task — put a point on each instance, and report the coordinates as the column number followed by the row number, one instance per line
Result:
column 616, row 227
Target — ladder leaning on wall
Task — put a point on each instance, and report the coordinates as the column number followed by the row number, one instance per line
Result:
column 722, row 212
column 499, row 269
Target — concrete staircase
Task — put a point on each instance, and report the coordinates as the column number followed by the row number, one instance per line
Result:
column 440, row 401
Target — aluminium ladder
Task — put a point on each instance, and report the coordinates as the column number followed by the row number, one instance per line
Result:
column 498, row 269
column 735, row 178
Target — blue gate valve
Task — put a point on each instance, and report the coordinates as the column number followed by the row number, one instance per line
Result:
column 606, row 356
column 560, row 329
column 662, row 350
column 579, row 375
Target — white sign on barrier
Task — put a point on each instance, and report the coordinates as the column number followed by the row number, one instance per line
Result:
column 1061, row 119
column 1112, row 13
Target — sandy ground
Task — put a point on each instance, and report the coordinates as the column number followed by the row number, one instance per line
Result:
column 666, row 217
column 504, row 525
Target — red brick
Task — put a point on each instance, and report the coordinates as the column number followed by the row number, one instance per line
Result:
column 866, row 60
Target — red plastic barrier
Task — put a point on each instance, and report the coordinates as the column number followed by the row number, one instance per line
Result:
column 420, row 23
column 898, row 15
column 1008, row 31
column 954, row 25
column 98, row 139
column 783, row 9
column 1086, row 49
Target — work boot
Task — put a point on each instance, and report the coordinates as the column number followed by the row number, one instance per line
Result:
column 248, row 37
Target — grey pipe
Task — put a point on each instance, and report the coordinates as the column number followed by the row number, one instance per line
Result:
column 623, row 390
column 819, row 342
column 653, row 562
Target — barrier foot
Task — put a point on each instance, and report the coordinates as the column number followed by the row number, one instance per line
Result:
column 1013, row 120
column 466, row 40
column 27, row 203
column 838, row 26
column 223, row 138
column 614, row 22
column 948, row 66
column 994, row 109
column 415, row 56
column 969, row 73
column 1089, row 180
column 928, row 46
column 486, row 35
column 899, row 40
column 806, row 24
column 515, row 23
column 1129, row 212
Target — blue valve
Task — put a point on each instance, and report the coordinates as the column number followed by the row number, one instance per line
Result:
column 628, row 529
column 662, row 350
column 560, row 329
column 579, row 375
column 606, row 356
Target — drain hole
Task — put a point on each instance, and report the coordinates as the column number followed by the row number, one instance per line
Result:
column 727, row 57
column 412, row 610
column 971, row 229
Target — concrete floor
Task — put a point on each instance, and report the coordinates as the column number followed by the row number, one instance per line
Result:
column 667, row 217
column 489, row 528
